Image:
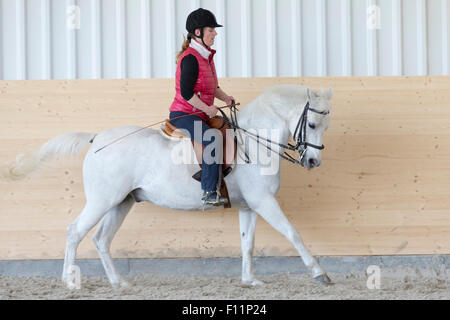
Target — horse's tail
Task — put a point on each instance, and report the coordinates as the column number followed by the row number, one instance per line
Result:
column 67, row 144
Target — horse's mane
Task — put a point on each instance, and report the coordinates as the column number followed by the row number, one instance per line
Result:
column 285, row 97
column 278, row 100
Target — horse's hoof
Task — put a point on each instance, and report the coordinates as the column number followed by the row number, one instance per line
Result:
column 121, row 284
column 323, row 279
column 124, row 284
column 256, row 283
column 252, row 283
column 72, row 286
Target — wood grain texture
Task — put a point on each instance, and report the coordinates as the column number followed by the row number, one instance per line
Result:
column 383, row 187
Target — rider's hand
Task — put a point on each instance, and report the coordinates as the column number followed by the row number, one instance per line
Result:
column 211, row 111
column 229, row 99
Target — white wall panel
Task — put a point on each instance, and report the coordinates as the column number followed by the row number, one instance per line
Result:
column 246, row 37
column 396, row 39
column 409, row 37
column 71, row 39
column 359, row 38
column 236, row 53
column 372, row 37
column 444, row 37
column 221, row 57
column 35, row 34
column 389, row 38
column 434, row 37
column 260, row 38
column 135, row 12
column 346, row 38
column 309, row 38
column 87, row 39
column 95, row 31
column 294, row 64
column 121, row 45
column 169, row 32
column 108, row 39
column 160, row 56
column 321, row 37
column 12, row 37
column 58, row 19
column 21, row 38
column 422, row 54
column 1, row 40
column 334, row 42
column 145, row 35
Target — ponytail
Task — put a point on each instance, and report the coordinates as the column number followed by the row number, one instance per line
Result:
column 184, row 46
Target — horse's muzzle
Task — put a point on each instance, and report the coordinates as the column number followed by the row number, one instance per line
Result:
column 310, row 163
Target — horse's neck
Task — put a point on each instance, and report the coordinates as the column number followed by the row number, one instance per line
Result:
column 264, row 120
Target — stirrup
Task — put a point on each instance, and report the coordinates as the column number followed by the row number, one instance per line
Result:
column 213, row 198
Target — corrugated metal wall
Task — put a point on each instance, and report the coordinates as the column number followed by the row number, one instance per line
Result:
column 64, row 39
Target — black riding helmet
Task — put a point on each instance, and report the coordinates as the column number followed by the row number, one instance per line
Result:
column 199, row 19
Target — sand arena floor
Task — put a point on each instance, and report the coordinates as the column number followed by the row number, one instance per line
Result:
column 395, row 283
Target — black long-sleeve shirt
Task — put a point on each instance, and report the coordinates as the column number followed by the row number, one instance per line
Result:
column 189, row 75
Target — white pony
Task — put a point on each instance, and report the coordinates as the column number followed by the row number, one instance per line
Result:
column 139, row 168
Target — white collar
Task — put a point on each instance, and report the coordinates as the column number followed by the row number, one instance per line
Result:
column 200, row 49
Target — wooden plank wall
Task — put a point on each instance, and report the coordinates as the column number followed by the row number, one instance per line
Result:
column 383, row 187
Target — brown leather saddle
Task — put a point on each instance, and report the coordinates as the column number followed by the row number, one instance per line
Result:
column 216, row 122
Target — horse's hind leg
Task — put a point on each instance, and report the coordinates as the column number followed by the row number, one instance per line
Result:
column 89, row 217
column 247, row 224
column 268, row 208
column 105, row 234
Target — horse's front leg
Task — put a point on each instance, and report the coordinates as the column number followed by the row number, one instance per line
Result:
column 268, row 208
column 247, row 223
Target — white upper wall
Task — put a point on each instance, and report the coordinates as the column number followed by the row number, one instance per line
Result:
column 40, row 39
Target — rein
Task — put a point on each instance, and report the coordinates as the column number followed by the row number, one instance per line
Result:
column 154, row 124
column 301, row 143
column 300, row 146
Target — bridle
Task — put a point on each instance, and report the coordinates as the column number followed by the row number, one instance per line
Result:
column 302, row 144
column 299, row 134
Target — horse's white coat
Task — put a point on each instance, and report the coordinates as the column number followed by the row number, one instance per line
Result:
column 140, row 168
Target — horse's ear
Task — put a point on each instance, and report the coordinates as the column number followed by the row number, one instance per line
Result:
column 330, row 93
column 315, row 94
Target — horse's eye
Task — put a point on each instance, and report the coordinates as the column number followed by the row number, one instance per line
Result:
column 312, row 125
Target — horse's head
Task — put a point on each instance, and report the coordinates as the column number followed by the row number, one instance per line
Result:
column 309, row 128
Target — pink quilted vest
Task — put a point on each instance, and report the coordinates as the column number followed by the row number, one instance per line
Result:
column 205, row 87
